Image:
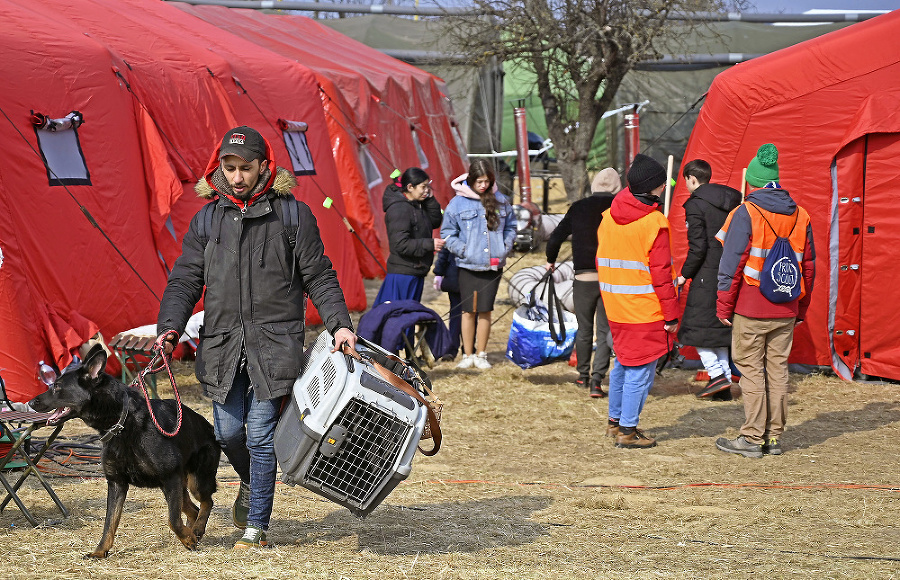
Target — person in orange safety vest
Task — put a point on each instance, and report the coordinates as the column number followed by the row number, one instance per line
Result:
column 636, row 275
column 763, row 331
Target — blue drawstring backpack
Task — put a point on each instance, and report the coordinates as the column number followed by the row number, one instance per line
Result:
column 779, row 279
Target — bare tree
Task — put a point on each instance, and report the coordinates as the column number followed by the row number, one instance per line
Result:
column 579, row 51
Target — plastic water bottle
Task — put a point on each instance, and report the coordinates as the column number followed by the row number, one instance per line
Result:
column 46, row 373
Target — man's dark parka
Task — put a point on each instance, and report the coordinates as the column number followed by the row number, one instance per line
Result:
column 255, row 286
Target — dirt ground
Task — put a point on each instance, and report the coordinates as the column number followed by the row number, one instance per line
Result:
column 527, row 486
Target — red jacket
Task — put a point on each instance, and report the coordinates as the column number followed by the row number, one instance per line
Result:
column 642, row 343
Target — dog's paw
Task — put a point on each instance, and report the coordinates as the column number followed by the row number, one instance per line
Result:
column 190, row 541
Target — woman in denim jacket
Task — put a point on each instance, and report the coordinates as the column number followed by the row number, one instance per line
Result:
column 479, row 228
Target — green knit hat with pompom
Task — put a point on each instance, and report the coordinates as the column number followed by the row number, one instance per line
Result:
column 764, row 167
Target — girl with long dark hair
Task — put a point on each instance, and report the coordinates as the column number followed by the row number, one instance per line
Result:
column 479, row 229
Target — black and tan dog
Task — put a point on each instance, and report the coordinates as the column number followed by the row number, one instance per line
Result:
column 137, row 453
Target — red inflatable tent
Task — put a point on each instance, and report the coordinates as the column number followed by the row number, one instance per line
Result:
column 832, row 107
column 156, row 89
column 400, row 112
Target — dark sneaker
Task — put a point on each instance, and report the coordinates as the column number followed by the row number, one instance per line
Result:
column 612, row 430
column 634, row 440
column 715, row 385
column 772, row 447
column 252, row 538
column 722, row 396
column 241, row 506
column 596, row 390
column 740, row 446
column 582, row 382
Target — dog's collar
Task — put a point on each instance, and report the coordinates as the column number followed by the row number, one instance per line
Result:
column 120, row 425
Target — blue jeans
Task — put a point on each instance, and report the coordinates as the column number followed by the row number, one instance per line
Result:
column 628, row 389
column 250, row 448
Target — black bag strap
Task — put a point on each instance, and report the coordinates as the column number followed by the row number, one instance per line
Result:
column 554, row 301
column 554, row 305
column 204, row 222
column 290, row 218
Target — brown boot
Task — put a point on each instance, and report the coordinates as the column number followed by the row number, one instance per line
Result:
column 612, row 429
column 634, row 440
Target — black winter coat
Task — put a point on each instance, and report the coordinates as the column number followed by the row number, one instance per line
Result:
column 581, row 222
column 445, row 266
column 255, row 290
column 409, row 227
column 705, row 210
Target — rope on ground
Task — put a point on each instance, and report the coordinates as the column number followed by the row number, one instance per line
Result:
column 674, row 542
column 670, row 487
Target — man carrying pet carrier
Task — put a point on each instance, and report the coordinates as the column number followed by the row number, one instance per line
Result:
column 251, row 342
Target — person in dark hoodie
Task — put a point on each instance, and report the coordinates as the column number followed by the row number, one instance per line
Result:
column 255, row 279
column 446, row 279
column 581, row 222
column 705, row 211
column 763, row 330
column 411, row 213
column 637, row 280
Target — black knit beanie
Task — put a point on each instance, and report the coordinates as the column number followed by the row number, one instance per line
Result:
column 645, row 174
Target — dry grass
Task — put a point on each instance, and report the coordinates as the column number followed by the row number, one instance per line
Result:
column 527, row 486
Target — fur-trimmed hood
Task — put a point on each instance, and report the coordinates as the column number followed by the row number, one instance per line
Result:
column 281, row 184
column 281, row 180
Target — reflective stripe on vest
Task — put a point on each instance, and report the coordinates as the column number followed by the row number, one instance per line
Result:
column 623, row 268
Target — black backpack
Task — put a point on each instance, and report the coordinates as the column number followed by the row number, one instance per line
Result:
column 779, row 279
column 289, row 214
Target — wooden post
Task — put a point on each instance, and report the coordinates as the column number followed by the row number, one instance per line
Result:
column 668, row 186
column 743, row 184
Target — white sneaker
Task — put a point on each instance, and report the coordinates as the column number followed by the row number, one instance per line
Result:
column 467, row 361
column 481, row 361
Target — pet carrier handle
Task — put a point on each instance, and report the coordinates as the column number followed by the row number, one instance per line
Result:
column 400, row 384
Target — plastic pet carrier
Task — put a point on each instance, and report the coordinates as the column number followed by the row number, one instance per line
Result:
column 347, row 434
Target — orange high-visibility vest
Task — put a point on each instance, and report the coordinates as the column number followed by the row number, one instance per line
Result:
column 623, row 268
column 762, row 238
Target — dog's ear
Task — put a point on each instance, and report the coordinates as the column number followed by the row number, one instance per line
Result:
column 95, row 361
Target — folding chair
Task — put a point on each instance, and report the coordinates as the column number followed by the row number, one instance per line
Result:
column 134, row 351
column 20, row 437
column 134, row 348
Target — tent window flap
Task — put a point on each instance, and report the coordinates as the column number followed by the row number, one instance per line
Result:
column 423, row 160
column 294, row 133
column 373, row 176
column 61, row 149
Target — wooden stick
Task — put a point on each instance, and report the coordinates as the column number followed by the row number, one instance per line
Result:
column 743, row 184
column 668, row 185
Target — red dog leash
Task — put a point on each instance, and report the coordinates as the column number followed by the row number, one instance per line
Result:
column 160, row 354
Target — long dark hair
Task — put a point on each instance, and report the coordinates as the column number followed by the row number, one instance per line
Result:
column 482, row 168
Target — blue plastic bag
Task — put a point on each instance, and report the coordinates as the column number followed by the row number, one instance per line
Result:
column 541, row 334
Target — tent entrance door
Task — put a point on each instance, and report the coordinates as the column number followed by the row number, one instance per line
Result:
column 879, row 268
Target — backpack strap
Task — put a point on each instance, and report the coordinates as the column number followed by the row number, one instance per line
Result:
column 204, row 223
column 768, row 223
column 289, row 215
column 290, row 218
